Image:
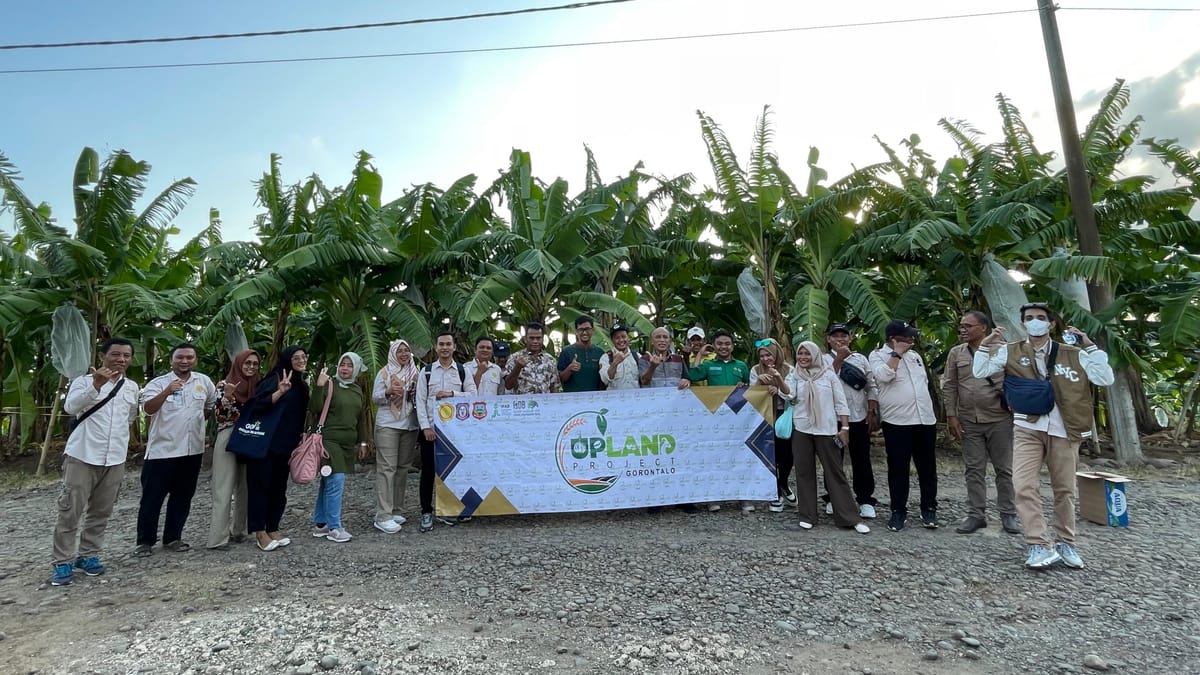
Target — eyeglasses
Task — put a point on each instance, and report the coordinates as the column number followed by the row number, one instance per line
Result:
column 763, row 343
column 250, row 363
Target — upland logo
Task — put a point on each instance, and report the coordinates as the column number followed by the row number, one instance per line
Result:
column 445, row 412
column 591, row 461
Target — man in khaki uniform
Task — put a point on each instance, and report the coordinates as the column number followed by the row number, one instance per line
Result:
column 977, row 416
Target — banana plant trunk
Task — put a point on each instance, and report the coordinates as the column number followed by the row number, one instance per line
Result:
column 1122, row 422
column 41, row 467
column 1187, row 411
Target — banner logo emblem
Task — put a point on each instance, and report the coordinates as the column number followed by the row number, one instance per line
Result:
column 462, row 411
column 480, row 411
column 445, row 412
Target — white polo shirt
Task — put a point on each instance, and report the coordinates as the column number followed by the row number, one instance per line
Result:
column 103, row 438
column 177, row 429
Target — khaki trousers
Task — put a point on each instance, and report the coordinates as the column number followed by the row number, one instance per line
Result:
column 88, row 495
column 1030, row 450
column 982, row 443
column 228, row 493
column 396, row 453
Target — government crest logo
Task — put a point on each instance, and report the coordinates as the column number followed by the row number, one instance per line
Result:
column 480, row 410
column 445, row 412
column 462, row 411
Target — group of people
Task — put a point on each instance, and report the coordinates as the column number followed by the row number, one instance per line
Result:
column 834, row 397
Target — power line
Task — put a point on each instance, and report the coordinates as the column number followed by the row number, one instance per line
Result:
column 486, row 50
column 322, row 29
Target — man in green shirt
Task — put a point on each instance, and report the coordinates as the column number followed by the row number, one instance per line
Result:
column 579, row 364
column 724, row 370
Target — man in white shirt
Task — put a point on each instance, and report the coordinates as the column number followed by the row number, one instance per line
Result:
column 94, row 460
column 487, row 376
column 1042, row 436
column 909, row 423
column 863, row 398
column 177, row 404
column 619, row 367
column 444, row 378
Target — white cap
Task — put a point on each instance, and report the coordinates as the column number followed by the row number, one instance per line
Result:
column 695, row 331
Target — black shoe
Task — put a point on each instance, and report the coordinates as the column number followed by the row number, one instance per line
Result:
column 1011, row 524
column 897, row 522
column 929, row 519
column 971, row 524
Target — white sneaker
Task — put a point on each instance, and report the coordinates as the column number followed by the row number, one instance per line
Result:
column 866, row 511
column 714, row 507
column 775, row 506
column 829, row 508
column 747, row 507
column 805, row 525
column 387, row 526
column 339, row 535
column 861, row 528
column 399, row 520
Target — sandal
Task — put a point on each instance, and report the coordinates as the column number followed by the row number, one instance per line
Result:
column 271, row 546
column 178, row 546
column 142, row 550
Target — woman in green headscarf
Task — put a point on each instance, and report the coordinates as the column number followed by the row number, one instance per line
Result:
column 345, row 438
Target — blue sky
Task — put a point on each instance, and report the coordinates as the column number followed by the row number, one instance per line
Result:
column 439, row 117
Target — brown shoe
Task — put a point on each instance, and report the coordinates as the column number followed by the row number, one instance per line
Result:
column 1011, row 524
column 971, row 524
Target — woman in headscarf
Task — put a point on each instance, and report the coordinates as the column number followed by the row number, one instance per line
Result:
column 396, row 434
column 229, row 475
column 345, row 438
column 771, row 370
column 282, row 393
column 820, row 419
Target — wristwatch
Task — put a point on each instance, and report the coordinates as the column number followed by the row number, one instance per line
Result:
column 896, row 355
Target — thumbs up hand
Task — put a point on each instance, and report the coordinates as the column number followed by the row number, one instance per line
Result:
column 575, row 364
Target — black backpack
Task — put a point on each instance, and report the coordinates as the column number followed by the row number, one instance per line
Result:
column 462, row 375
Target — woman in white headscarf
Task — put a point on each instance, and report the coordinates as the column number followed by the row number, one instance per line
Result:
column 820, row 418
column 396, row 434
column 345, row 439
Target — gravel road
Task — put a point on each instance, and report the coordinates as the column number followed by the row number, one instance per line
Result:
column 722, row 592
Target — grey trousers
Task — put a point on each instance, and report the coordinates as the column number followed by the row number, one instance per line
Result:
column 228, row 493
column 983, row 443
column 88, row 495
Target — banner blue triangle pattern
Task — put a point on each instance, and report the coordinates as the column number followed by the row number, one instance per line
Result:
column 445, row 456
column 762, row 444
column 737, row 399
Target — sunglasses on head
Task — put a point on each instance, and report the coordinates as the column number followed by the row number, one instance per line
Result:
column 763, row 343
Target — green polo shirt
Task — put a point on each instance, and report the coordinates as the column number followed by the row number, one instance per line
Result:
column 587, row 378
column 721, row 373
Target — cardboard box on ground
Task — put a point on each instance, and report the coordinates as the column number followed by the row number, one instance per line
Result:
column 1102, row 498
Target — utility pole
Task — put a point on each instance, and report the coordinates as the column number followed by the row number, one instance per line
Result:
column 1123, row 423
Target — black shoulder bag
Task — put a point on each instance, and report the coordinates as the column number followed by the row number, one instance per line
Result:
column 1032, row 396
column 74, row 422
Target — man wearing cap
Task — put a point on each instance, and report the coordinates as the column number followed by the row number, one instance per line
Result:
column 1046, row 437
column 619, row 368
column 698, row 351
column 579, row 364
column 501, row 353
column 908, row 421
column 661, row 367
column 977, row 416
column 724, row 370
column 862, row 397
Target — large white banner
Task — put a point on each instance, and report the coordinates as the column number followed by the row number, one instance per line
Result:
column 603, row 450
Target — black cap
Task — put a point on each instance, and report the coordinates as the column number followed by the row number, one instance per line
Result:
column 838, row 328
column 898, row 328
column 617, row 327
column 501, row 349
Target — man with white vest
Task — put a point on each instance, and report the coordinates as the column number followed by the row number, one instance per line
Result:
column 1048, row 385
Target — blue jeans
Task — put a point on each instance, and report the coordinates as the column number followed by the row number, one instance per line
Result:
column 328, row 510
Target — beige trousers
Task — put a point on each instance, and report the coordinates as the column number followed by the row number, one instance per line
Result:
column 1030, row 450
column 228, row 493
column 396, row 453
column 88, row 495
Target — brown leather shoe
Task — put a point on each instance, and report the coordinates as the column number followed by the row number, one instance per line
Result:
column 970, row 524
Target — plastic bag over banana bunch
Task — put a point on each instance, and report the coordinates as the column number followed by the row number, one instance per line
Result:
column 754, row 301
column 70, row 342
column 235, row 338
column 1004, row 296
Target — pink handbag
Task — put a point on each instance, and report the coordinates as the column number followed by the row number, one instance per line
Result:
column 305, row 462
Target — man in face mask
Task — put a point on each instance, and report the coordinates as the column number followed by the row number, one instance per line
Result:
column 1041, row 436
